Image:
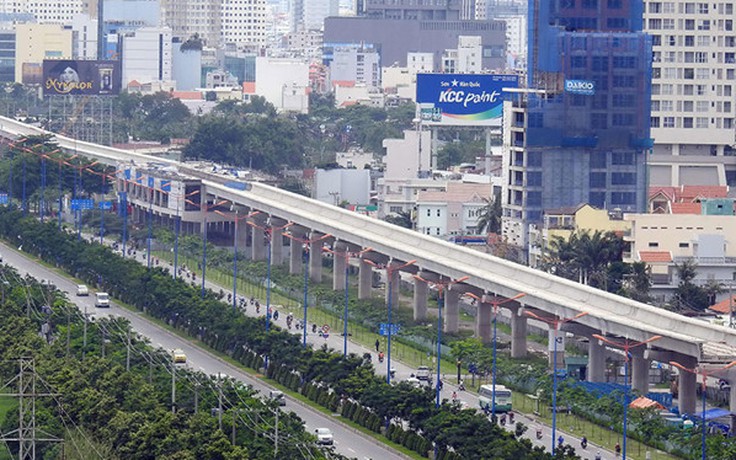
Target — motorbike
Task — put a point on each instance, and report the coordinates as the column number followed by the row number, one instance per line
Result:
column 584, row 443
column 539, row 433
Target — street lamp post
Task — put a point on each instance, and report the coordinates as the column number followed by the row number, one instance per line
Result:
column 206, row 209
column 495, row 304
column 626, row 345
column 390, row 270
column 555, row 322
column 441, row 286
column 705, row 374
column 347, row 255
column 305, row 242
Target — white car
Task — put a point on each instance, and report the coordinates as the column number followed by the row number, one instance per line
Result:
column 82, row 290
column 324, row 436
column 413, row 381
column 422, row 373
column 102, row 299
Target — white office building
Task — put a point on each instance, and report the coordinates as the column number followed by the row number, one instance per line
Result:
column 244, row 23
column 46, row 11
column 356, row 64
column 693, row 88
column 146, row 55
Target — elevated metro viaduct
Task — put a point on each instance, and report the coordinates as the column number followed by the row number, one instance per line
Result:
column 688, row 341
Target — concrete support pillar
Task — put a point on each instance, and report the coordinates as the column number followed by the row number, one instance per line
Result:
column 421, row 291
column 242, row 236
column 315, row 261
column 365, row 277
column 451, row 311
column 560, row 350
column 338, row 267
column 295, row 257
column 518, row 334
column 732, row 399
column 596, row 361
column 395, row 283
column 687, row 385
column 639, row 371
column 484, row 322
column 258, row 244
column 277, row 247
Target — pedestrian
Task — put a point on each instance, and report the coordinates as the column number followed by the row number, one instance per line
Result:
column 378, row 344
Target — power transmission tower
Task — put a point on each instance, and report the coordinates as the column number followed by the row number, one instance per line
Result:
column 27, row 435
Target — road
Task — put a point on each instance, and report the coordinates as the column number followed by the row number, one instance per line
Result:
column 334, row 340
column 348, row 441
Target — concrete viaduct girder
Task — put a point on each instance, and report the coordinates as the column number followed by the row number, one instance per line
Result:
column 606, row 312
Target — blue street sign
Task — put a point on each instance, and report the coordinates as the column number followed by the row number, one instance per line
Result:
column 82, row 204
column 383, row 329
column 4, row 198
column 105, row 205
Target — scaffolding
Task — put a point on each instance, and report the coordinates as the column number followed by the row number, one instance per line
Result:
column 85, row 118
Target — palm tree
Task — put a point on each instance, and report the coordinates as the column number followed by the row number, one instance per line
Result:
column 490, row 216
column 585, row 257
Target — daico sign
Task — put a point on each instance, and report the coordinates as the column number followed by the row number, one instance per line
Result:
column 88, row 78
column 584, row 87
column 462, row 99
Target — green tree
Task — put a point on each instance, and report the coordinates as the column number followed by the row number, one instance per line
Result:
column 401, row 218
column 584, row 256
column 690, row 296
column 489, row 220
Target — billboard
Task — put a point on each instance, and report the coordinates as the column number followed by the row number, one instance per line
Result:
column 87, row 78
column 462, row 99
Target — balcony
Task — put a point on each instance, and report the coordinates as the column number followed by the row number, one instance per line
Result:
column 706, row 260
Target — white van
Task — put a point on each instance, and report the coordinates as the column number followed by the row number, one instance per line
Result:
column 102, row 300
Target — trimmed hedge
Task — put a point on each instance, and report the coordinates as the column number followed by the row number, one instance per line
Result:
column 322, row 375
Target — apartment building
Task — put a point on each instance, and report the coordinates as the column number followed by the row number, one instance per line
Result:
column 693, row 89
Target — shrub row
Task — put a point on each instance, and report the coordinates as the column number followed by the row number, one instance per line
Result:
column 462, row 432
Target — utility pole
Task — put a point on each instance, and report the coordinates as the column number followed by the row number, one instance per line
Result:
column 276, row 436
column 173, row 386
column 219, row 402
column 26, row 435
column 196, row 398
column 127, row 354
column 84, row 343
column 68, row 331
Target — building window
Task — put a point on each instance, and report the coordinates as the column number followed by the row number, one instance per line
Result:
column 684, row 245
column 653, row 244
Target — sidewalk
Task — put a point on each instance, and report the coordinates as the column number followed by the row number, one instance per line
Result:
column 334, row 340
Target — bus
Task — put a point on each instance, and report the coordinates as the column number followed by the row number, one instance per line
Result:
column 503, row 398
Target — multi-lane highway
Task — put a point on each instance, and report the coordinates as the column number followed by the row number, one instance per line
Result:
column 348, row 441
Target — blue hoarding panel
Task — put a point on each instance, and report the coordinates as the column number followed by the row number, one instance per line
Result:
column 105, row 205
column 462, row 99
column 4, row 198
column 166, row 185
column 383, row 329
column 82, row 204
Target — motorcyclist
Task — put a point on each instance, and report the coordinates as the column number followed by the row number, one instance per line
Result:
column 380, row 356
column 584, row 442
column 539, row 432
